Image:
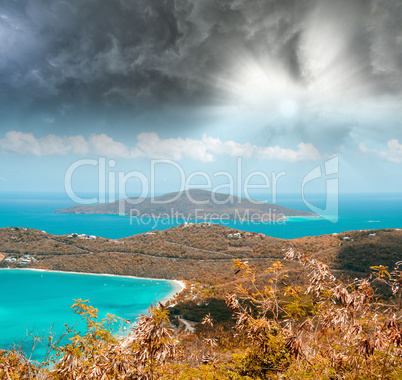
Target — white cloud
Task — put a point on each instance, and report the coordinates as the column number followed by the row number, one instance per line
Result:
column 363, row 148
column 106, row 146
column 20, row 142
column 393, row 153
column 27, row 144
column 150, row 145
column 306, row 152
column 205, row 150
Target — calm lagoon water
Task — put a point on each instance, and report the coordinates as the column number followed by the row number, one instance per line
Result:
column 33, row 302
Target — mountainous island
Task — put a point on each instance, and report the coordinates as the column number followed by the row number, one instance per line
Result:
column 192, row 204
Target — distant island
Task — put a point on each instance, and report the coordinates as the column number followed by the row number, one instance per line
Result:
column 192, row 204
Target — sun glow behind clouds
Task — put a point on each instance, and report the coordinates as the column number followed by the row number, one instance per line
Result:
column 328, row 53
column 262, row 86
column 324, row 75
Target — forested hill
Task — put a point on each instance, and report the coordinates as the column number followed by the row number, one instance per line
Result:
column 192, row 204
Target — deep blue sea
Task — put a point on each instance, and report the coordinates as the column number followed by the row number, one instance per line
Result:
column 32, row 302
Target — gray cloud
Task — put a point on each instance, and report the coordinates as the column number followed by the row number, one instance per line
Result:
column 68, row 55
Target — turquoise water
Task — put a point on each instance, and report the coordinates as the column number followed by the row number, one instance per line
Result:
column 33, row 302
column 356, row 211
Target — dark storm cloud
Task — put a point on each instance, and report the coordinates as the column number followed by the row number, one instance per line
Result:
column 92, row 50
column 62, row 54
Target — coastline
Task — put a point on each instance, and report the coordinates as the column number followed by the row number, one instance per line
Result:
column 181, row 283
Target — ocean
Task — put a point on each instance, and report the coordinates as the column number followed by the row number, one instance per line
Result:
column 356, row 211
column 33, row 302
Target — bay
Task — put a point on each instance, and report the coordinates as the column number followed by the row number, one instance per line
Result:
column 38, row 302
